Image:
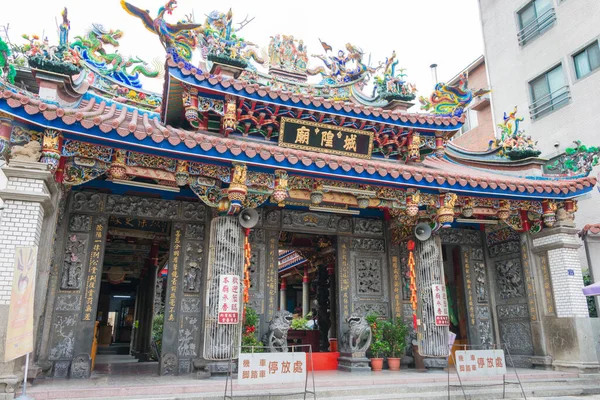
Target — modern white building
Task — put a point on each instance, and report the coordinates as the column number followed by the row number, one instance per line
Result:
column 543, row 56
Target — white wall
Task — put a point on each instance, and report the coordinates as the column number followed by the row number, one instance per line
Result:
column 511, row 67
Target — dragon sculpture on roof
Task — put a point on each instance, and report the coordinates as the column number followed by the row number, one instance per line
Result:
column 113, row 65
column 451, row 100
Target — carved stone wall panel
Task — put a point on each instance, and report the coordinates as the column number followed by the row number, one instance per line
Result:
column 142, row 207
column 257, row 236
column 68, row 302
column 509, row 278
column 368, row 227
column 74, row 261
column 368, row 244
column 345, row 225
column 477, row 254
column 483, row 312
column 517, row 337
column 257, row 271
column 484, row 331
column 63, row 337
column 480, row 281
column 363, row 308
column 192, row 305
column 188, row 336
column 81, row 366
column 80, row 223
column 368, row 276
column 61, row 369
column 503, row 249
column 88, row 202
column 512, row 311
column 194, row 212
column 309, row 221
column 195, row 231
column 451, row 236
column 185, row 367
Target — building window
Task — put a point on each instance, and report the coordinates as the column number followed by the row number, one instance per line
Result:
column 587, row 60
column 471, row 121
column 548, row 92
column 534, row 19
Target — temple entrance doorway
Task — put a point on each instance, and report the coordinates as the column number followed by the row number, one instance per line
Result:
column 307, row 288
column 132, row 296
column 455, row 290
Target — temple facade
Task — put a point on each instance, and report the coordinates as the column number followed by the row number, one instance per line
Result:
column 133, row 199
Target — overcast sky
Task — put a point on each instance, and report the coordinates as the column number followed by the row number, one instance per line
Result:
column 421, row 31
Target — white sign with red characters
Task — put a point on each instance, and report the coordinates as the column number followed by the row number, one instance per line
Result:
column 480, row 362
column 440, row 305
column 272, row 368
column 230, row 294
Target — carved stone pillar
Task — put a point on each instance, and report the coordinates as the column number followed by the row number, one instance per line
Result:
column 569, row 334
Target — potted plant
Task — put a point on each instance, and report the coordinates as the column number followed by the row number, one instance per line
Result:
column 379, row 346
column 394, row 333
column 250, row 342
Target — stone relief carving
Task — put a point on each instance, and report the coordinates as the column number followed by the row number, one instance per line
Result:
column 512, row 311
column 358, row 336
column 193, row 267
column 81, row 366
column 194, row 231
column 86, row 201
column 168, row 364
column 64, row 337
column 255, row 257
column 345, row 225
column 80, row 223
column 471, row 237
column 61, row 369
column 298, row 219
column 276, row 338
column 185, row 367
column 504, row 249
column 364, row 226
column 450, row 236
column 256, row 236
column 142, row 207
column 476, row 254
column 272, row 218
column 485, row 333
column 187, row 337
column 194, row 212
column 362, row 308
column 68, row 302
column 31, row 151
column 368, row 276
column 73, row 262
column 367, row 244
column 404, row 272
column 480, row 287
column 509, row 278
column 517, row 336
column 483, row 312
column 191, row 305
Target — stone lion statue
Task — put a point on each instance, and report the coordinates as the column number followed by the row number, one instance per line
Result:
column 31, row 151
column 276, row 338
column 358, row 336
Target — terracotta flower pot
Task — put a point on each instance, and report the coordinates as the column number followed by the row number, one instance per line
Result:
column 376, row 364
column 394, row 364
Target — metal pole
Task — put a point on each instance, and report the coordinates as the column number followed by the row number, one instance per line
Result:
column 24, row 396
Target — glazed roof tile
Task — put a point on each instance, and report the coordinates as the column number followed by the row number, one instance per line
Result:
column 304, row 99
column 125, row 121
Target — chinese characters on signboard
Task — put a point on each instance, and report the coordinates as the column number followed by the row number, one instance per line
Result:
column 332, row 139
column 19, row 329
column 480, row 362
column 440, row 305
column 272, row 368
column 229, row 299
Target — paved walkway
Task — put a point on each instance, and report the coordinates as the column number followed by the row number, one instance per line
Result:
column 122, row 380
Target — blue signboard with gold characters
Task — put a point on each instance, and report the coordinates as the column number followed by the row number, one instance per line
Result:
column 323, row 138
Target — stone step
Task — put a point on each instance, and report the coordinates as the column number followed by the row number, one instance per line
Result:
column 429, row 391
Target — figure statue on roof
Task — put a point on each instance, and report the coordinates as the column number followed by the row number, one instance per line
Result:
column 287, row 54
column 390, row 86
column 64, row 28
column 450, row 101
column 221, row 44
column 91, row 49
column 343, row 68
column 43, row 56
column 172, row 36
column 514, row 143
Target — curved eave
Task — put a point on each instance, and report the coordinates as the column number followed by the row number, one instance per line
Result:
column 204, row 147
column 489, row 157
column 224, row 86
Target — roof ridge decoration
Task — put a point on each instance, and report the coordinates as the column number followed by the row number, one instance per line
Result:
column 450, row 101
column 579, row 159
column 513, row 143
